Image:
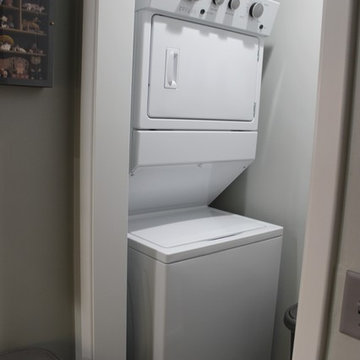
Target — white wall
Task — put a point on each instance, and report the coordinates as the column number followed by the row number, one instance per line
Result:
column 275, row 188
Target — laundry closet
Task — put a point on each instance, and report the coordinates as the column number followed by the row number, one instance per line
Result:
column 202, row 282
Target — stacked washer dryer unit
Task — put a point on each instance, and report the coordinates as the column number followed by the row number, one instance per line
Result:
column 202, row 282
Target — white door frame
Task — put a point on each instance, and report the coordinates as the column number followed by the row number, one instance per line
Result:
column 327, row 178
column 100, row 307
column 105, row 123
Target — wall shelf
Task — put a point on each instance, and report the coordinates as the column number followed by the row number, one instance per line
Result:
column 21, row 53
column 9, row 7
column 34, row 13
column 26, row 33
column 22, row 32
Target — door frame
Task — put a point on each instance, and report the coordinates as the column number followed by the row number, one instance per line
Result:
column 327, row 177
column 100, row 298
column 100, row 303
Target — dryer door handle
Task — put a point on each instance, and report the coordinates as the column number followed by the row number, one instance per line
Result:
column 171, row 70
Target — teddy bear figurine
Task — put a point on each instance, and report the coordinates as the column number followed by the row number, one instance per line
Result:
column 4, row 22
column 35, row 68
column 3, row 73
column 10, row 22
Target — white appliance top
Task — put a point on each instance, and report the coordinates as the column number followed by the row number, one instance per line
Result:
column 253, row 16
column 176, row 235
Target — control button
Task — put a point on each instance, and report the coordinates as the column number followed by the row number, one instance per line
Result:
column 256, row 10
column 218, row 2
column 234, row 4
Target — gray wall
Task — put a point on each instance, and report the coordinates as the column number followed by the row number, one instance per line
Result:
column 36, row 181
column 275, row 187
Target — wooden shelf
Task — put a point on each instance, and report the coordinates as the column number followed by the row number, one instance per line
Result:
column 15, row 8
column 22, row 32
column 22, row 82
column 20, row 53
column 33, row 13
column 9, row 7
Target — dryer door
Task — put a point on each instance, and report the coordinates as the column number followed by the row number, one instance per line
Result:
column 199, row 72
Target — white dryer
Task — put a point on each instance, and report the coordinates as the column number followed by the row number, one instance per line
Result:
column 202, row 286
column 198, row 65
column 196, row 95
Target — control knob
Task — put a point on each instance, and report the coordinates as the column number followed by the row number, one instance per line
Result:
column 234, row 4
column 218, row 2
column 256, row 10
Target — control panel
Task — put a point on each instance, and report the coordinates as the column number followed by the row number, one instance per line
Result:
column 253, row 16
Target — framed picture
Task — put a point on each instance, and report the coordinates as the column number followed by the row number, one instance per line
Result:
column 26, row 49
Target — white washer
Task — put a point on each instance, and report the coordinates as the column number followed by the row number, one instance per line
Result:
column 202, row 285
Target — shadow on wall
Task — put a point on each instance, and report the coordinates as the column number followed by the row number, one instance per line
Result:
column 266, row 58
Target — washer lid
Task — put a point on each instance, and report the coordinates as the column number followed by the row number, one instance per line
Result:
column 187, row 229
column 176, row 235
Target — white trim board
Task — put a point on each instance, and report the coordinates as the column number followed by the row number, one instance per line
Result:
column 326, row 188
column 104, row 163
